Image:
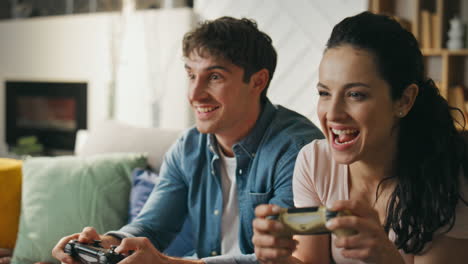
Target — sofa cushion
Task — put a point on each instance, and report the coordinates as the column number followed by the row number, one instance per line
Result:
column 112, row 136
column 62, row 195
column 10, row 196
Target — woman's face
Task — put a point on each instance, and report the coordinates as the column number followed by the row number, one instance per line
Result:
column 355, row 108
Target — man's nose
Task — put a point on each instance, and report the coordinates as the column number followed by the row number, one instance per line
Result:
column 196, row 89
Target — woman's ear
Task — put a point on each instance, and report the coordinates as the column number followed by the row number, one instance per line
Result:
column 406, row 102
column 260, row 80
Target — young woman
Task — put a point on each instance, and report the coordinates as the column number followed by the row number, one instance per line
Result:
column 392, row 156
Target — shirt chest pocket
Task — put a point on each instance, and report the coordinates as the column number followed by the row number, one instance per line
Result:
column 260, row 198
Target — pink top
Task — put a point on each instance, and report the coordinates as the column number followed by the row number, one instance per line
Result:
column 319, row 180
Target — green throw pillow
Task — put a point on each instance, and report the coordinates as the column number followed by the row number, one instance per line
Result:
column 62, row 195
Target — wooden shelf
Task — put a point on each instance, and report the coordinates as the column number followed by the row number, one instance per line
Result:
column 440, row 52
column 429, row 21
column 462, row 52
column 432, row 52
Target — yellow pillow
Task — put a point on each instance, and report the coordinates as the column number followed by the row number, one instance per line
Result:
column 10, row 197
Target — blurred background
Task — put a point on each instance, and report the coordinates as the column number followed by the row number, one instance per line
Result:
column 68, row 64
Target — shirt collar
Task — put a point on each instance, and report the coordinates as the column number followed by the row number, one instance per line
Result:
column 250, row 143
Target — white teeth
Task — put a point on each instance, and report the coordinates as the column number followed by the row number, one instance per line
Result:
column 205, row 109
column 345, row 132
column 342, row 143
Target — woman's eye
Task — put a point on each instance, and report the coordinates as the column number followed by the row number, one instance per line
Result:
column 357, row 95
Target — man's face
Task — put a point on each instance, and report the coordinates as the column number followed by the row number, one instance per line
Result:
column 222, row 102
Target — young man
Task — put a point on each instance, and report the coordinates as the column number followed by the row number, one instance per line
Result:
column 240, row 154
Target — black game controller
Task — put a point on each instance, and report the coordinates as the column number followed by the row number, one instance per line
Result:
column 92, row 253
column 309, row 221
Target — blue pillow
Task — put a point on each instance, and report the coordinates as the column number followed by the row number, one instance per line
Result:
column 143, row 182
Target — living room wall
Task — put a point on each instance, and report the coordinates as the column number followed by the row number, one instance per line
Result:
column 79, row 48
column 150, row 83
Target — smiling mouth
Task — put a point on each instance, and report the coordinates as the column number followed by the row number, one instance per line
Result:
column 205, row 110
column 345, row 136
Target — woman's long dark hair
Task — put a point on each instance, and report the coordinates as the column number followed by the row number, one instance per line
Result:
column 431, row 152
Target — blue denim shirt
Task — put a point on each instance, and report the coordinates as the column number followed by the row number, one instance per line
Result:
column 190, row 184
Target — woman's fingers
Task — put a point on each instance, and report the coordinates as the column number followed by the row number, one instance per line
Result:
column 359, row 224
column 267, row 226
column 273, row 241
column 264, row 210
column 356, row 208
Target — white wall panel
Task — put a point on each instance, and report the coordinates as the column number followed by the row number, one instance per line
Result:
column 299, row 29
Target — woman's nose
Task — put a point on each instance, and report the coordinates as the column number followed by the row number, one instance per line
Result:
column 336, row 110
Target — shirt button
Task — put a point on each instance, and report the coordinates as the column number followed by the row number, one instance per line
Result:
column 240, row 171
column 212, row 172
column 214, row 253
column 216, row 212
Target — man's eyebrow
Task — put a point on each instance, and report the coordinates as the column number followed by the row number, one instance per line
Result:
column 321, row 85
column 214, row 67
column 219, row 67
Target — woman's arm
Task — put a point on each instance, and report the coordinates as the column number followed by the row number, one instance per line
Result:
column 445, row 249
column 313, row 249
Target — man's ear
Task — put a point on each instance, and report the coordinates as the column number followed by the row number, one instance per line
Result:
column 406, row 102
column 259, row 80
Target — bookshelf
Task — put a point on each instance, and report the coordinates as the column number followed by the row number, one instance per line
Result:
column 429, row 21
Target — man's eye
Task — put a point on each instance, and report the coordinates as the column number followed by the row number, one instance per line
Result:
column 215, row 76
column 323, row 93
column 190, row 76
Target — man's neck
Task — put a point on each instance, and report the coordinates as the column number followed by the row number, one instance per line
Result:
column 227, row 139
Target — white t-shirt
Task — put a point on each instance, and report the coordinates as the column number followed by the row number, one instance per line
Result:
column 230, row 218
column 319, row 180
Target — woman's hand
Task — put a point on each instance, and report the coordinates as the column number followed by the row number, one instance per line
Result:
column 371, row 243
column 270, row 248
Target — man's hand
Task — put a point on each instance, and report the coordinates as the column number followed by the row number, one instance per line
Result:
column 5, row 255
column 146, row 253
column 88, row 235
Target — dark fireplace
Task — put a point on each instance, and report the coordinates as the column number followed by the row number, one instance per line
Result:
column 50, row 111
